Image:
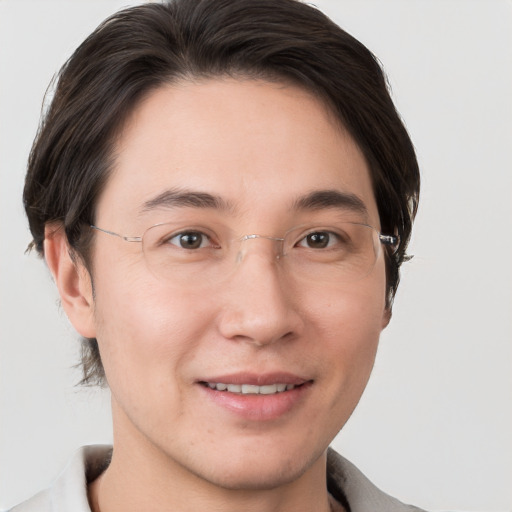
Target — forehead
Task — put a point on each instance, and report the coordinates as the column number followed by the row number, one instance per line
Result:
column 258, row 146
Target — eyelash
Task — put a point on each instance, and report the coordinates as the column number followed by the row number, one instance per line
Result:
column 333, row 238
column 191, row 233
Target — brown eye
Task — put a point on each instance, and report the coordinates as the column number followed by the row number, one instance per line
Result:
column 190, row 240
column 318, row 240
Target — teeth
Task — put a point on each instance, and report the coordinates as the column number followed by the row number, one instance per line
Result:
column 268, row 390
column 251, row 389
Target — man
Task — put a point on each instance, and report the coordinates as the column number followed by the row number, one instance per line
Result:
column 223, row 192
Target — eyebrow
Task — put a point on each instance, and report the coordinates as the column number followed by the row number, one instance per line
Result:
column 175, row 198
column 325, row 199
column 316, row 200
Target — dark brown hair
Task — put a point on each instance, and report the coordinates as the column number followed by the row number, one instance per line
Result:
column 141, row 48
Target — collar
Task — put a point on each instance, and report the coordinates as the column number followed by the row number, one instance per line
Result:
column 346, row 484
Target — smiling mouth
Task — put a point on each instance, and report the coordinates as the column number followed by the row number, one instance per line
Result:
column 251, row 389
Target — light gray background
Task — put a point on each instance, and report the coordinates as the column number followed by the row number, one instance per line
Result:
column 434, row 427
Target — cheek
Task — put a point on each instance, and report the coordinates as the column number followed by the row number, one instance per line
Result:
column 348, row 322
column 352, row 311
column 144, row 329
column 352, row 334
column 342, row 340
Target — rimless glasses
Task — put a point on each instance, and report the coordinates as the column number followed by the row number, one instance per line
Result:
column 337, row 253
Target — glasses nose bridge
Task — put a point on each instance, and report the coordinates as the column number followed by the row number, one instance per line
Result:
column 278, row 244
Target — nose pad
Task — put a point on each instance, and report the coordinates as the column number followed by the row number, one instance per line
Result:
column 278, row 247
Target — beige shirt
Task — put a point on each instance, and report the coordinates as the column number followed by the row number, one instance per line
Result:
column 345, row 483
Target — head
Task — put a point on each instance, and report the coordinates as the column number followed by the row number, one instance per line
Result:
column 191, row 55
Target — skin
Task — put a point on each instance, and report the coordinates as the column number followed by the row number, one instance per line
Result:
column 259, row 147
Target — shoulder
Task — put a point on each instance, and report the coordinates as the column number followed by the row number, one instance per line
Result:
column 347, row 483
column 69, row 490
column 41, row 502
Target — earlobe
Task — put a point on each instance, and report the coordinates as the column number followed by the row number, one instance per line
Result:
column 72, row 279
column 386, row 316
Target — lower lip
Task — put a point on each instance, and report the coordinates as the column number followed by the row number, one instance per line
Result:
column 258, row 407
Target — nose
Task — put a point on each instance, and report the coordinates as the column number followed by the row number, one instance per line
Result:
column 259, row 305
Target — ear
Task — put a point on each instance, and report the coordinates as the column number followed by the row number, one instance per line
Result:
column 72, row 279
column 386, row 316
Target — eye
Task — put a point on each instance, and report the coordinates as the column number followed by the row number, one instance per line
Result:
column 190, row 240
column 319, row 240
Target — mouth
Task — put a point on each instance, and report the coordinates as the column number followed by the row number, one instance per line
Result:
column 257, row 397
column 251, row 389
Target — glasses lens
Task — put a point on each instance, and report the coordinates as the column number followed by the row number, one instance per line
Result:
column 334, row 254
column 339, row 253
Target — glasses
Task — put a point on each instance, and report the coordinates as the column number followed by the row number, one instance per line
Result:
column 338, row 253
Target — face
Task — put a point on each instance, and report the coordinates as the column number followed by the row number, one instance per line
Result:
column 257, row 149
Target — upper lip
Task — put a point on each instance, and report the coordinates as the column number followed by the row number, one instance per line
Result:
column 257, row 379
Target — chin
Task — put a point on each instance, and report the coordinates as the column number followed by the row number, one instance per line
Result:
column 255, row 478
column 258, row 470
